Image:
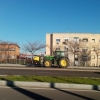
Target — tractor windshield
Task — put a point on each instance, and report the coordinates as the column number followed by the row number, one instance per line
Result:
column 62, row 54
column 59, row 53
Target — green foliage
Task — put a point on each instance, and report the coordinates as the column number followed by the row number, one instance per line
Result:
column 55, row 79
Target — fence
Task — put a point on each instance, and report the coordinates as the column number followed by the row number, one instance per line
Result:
column 16, row 61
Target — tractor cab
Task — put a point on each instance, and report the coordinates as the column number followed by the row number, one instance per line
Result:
column 60, row 53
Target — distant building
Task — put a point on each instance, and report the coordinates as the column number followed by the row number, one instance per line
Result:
column 56, row 39
column 25, row 56
column 9, row 51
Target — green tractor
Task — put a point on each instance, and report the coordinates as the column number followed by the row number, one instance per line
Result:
column 58, row 59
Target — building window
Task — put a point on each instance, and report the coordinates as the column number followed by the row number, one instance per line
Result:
column 3, row 56
column 57, row 49
column 85, row 39
column 80, row 49
column 65, row 39
column 93, row 64
column 98, row 48
column 85, row 49
column 76, row 57
column 93, row 48
column 0, row 56
column 80, row 39
column 12, row 49
column 93, row 56
column 84, row 58
column 57, row 40
column 93, row 40
column 76, row 39
column 12, row 57
column 65, row 48
column 99, row 40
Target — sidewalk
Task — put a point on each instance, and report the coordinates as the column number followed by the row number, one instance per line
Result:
column 12, row 65
column 69, row 67
column 83, row 67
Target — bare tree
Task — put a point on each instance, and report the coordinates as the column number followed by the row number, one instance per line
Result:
column 85, row 55
column 74, row 48
column 32, row 47
column 96, row 49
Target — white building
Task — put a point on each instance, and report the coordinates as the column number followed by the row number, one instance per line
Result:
column 91, row 41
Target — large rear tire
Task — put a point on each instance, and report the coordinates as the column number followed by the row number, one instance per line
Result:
column 63, row 63
column 47, row 63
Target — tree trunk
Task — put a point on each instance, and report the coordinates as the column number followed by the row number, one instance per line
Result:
column 32, row 58
column 97, row 59
column 74, row 59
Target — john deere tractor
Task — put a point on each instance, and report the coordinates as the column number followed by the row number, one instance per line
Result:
column 58, row 59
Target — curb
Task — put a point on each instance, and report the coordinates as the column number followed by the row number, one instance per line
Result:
column 41, row 68
column 49, row 85
column 69, row 67
column 13, row 65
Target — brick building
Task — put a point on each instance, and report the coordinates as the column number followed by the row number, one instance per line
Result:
column 9, row 51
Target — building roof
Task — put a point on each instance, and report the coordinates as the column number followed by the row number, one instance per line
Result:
column 71, row 33
column 9, row 44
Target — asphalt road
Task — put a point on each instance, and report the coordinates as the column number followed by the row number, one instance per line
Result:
column 49, row 72
column 26, row 93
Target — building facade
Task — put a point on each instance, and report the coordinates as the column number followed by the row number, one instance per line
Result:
column 9, row 51
column 55, row 41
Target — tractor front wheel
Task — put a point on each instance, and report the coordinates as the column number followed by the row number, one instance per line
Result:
column 63, row 62
column 47, row 63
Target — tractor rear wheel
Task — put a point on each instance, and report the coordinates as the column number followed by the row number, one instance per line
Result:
column 63, row 62
column 47, row 63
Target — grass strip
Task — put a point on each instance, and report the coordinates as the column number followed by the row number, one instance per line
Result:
column 54, row 79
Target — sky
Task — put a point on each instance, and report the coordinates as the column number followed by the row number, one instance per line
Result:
column 23, row 21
